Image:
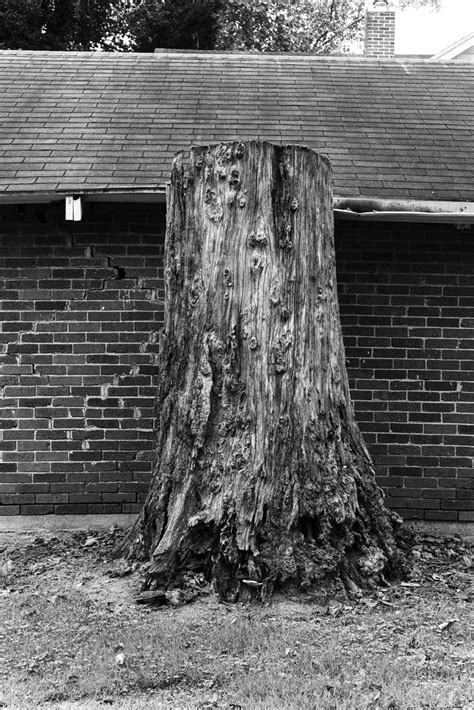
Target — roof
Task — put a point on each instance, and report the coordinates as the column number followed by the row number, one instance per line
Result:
column 462, row 49
column 79, row 122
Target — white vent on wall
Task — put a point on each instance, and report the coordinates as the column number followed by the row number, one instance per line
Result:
column 73, row 209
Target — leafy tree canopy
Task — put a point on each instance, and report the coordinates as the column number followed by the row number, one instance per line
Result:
column 174, row 24
column 54, row 24
column 434, row 4
column 315, row 26
column 274, row 25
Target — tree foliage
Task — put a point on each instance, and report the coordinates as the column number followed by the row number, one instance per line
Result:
column 316, row 26
column 174, row 24
column 433, row 4
column 313, row 26
column 54, row 24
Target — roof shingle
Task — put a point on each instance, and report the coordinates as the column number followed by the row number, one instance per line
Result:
column 72, row 122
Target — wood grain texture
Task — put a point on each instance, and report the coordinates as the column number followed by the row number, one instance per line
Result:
column 261, row 471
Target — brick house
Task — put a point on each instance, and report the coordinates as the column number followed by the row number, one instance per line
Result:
column 86, row 143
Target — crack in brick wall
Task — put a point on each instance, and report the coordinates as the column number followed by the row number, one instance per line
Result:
column 82, row 307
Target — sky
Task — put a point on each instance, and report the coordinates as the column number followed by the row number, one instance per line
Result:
column 425, row 31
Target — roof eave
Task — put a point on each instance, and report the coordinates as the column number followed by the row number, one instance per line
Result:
column 127, row 194
column 367, row 208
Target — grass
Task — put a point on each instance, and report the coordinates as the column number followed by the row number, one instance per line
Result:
column 65, row 619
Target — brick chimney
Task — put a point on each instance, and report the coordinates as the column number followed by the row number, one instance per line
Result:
column 379, row 29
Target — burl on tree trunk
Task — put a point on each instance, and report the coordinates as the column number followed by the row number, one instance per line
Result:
column 262, row 478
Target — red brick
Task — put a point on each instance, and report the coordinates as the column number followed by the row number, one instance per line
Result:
column 9, row 509
column 71, row 509
column 85, row 498
column 106, row 508
column 67, row 487
column 52, row 498
column 462, row 504
column 399, row 302
column 441, row 494
column 36, row 509
column 441, row 515
column 16, row 498
column 406, row 493
column 102, row 487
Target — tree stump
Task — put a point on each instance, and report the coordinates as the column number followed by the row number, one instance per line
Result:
column 262, row 478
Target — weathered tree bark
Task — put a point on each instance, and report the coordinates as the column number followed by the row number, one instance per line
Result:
column 262, row 477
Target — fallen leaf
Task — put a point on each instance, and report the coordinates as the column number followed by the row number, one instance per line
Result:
column 374, row 696
column 120, row 658
column 121, row 570
column 174, row 597
column 370, row 603
column 334, row 609
column 446, row 625
column 360, row 678
column 90, row 541
column 6, row 568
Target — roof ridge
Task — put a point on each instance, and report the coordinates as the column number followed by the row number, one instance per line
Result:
column 203, row 53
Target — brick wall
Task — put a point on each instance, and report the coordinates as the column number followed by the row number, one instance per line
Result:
column 407, row 309
column 380, row 33
column 82, row 304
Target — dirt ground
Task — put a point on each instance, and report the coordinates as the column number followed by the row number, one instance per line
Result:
column 73, row 636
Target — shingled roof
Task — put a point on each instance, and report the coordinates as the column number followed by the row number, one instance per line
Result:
column 81, row 122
